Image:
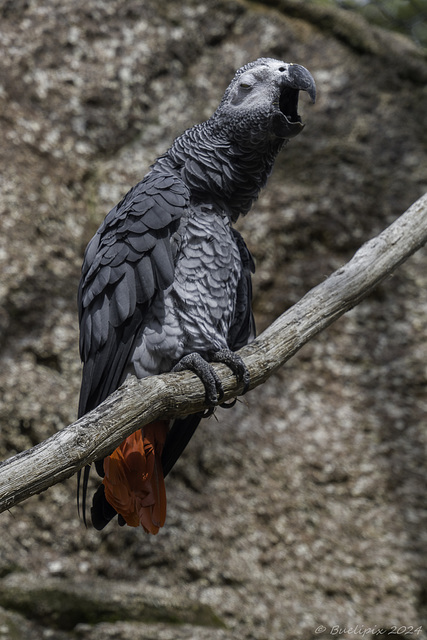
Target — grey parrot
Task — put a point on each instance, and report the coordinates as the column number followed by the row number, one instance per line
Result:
column 166, row 280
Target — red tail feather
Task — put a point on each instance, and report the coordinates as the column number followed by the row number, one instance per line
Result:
column 134, row 483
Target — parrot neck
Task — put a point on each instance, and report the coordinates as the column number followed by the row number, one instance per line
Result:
column 224, row 172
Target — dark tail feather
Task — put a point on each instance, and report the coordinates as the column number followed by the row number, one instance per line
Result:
column 86, row 474
column 102, row 511
column 177, row 439
column 79, row 473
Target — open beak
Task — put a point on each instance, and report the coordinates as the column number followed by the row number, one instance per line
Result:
column 295, row 79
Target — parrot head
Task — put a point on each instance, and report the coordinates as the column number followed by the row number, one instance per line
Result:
column 262, row 100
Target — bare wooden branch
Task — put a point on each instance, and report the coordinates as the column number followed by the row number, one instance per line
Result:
column 138, row 402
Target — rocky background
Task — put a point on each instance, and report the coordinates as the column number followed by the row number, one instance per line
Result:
column 301, row 513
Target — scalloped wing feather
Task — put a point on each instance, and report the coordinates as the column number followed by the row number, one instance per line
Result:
column 127, row 262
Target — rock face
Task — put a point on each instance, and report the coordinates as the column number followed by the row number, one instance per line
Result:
column 302, row 511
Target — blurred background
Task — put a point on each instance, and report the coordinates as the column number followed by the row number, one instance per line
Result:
column 405, row 16
column 301, row 513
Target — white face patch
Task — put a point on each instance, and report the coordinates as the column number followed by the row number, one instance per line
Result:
column 252, row 90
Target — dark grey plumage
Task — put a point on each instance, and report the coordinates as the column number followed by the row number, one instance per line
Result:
column 166, row 275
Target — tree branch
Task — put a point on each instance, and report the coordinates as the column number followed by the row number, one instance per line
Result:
column 138, row 402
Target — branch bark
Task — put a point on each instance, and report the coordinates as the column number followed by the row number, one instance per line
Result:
column 138, row 402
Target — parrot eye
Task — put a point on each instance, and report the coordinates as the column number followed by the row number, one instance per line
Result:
column 245, row 85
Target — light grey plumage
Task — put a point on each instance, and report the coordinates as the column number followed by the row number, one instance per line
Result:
column 195, row 313
column 166, row 276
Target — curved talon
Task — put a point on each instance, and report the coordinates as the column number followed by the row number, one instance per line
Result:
column 228, row 405
column 209, row 412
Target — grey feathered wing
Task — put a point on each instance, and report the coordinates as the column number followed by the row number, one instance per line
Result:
column 126, row 264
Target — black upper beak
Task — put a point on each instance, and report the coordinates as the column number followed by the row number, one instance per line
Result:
column 295, row 78
column 298, row 77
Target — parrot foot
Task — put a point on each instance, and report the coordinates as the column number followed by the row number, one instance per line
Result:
column 213, row 387
column 198, row 365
